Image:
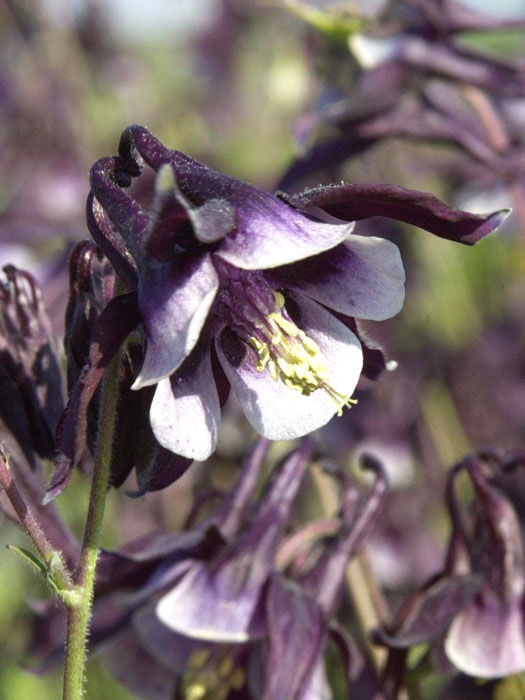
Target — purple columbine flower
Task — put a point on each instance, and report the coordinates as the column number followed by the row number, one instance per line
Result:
column 238, row 287
column 477, row 604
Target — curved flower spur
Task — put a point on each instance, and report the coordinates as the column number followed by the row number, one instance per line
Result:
column 238, row 287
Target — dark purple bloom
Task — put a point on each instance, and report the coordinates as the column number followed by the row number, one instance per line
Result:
column 96, row 324
column 418, row 81
column 301, row 614
column 220, row 600
column 238, row 287
column 30, row 378
column 478, row 611
column 487, row 638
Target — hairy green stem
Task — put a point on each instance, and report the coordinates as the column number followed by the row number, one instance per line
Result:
column 80, row 615
column 50, row 555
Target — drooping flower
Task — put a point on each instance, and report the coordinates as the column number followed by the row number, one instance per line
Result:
column 30, row 378
column 477, row 603
column 237, row 287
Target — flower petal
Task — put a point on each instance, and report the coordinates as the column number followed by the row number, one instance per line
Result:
column 487, row 638
column 174, row 299
column 268, row 232
column 268, row 235
column 125, row 658
column 114, row 324
column 274, row 410
column 208, row 604
column 356, row 202
column 185, row 413
column 297, row 634
column 362, row 277
column 127, row 216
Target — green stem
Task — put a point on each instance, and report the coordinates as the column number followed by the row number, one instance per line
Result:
column 51, row 556
column 80, row 615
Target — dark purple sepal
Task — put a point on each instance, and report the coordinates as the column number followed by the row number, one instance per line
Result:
column 110, row 242
column 360, row 674
column 296, row 634
column 124, row 212
column 82, row 307
column 115, row 323
column 428, row 613
column 159, row 471
column 138, row 144
column 125, row 658
column 356, row 202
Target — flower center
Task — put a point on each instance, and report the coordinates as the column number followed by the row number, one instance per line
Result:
column 211, row 678
column 257, row 313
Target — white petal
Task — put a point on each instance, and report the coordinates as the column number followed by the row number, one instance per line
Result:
column 174, row 303
column 488, row 640
column 185, row 413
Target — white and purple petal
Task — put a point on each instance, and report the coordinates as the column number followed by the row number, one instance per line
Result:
column 267, row 231
column 487, row 639
column 174, row 300
column 274, row 410
column 185, row 414
column 363, row 277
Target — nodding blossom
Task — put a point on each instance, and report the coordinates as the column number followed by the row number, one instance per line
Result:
column 236, row 287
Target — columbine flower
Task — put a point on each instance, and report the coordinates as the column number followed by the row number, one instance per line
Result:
column 237, row 287
column 236, row 284
column 479, row 611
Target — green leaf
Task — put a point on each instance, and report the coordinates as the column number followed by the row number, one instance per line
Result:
column 31, row 558
column 48, row 570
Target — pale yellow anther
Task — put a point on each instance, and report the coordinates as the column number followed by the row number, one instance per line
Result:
column 199, row 658
column 279, row 299
column 293, row 357
column 195, row 692
column 225, row 666
column 237, row 679
column 214, row 680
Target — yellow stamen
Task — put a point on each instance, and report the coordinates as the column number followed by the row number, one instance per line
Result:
column 294, row 358
column 211, row 679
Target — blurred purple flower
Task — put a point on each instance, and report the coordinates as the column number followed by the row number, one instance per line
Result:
column 213, row 605
column 419, row 82
column 30, row 377
column 479, row 612
column 220, row 600
column 487, row 638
